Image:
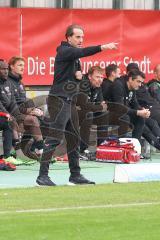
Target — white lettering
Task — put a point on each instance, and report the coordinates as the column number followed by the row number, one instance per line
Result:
column 51, row 64
column 144, row 65
column 31, row 66
column 35, row 67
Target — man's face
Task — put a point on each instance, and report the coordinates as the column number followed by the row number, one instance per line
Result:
column 157, row 73
column 76, row 40
column 18, row 67
column 116, row 73
column 135, row 84
column 3, row 70
column 96, row 79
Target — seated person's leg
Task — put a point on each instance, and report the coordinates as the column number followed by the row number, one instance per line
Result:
column 138, row 125
column 32, row 127
column 101, row 119
column 7, row 137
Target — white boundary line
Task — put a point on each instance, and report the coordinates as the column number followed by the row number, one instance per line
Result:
column 80, row 207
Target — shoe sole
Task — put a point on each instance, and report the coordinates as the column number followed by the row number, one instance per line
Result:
column 41, row 186
column 73, row 184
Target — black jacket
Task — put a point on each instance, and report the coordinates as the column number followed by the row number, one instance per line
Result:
column 89, row 98
column 7, row 100
column 154, row 89
column 106, row 89
column 20, row 93
column 19, row 90
column 66, row 64
column 145, row 99
column 122, row 95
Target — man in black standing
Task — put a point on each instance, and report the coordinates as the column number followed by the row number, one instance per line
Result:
column 62, row 104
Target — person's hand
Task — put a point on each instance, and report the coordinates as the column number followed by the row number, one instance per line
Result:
column 145, row 113
column 78, row 75
column 109, row 46
column 36, row 112
column 104, row 105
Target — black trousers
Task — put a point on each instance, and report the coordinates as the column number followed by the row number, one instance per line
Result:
column 151, row 132
column 155, row 114
column 7, row 136
column 63, row 120
column 137, row 124
column 103, row 120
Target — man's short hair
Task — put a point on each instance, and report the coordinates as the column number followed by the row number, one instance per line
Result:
column 132, row 66
column 15, row 59
column 156, row 68
column 95, row 68
column 134, row 73
column 70, row 28
column 2, row 62
column 110, row 68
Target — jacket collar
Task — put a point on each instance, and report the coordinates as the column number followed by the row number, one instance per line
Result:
column 16, row 78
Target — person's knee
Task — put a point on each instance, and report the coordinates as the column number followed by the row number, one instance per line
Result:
column 31, row 121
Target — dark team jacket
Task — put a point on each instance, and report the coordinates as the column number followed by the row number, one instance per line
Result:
column 19, row 90
column 89, row 98
column 7, row 100
column 66, row 64
column 20, row 93
column 154, row 89
column 145, row 99
column 106, row 89
column 122, row 95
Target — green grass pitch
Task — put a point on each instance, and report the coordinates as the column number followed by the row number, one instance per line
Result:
column 101, row 212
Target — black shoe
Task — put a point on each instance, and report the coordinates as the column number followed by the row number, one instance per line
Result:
column 79, row 180
column 45, row 181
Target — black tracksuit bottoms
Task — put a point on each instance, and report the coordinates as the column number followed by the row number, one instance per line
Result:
column 63, row 120
column 137, row 123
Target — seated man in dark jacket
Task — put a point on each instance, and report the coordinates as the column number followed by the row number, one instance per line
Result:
column 124, row 92
column 147, row 101
column 90, row 105
column 151, row 130
column 116, row 110
column 27, row 108
column 9, row 113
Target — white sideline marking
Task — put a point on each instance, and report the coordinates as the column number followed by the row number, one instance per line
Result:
column 81, row 207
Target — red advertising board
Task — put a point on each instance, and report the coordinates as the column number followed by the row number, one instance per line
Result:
column 36, row 33
column 10, row 32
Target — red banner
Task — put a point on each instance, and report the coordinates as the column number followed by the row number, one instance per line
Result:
column 10, row 32
column 37, row 32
